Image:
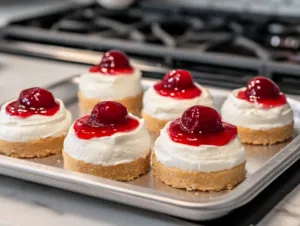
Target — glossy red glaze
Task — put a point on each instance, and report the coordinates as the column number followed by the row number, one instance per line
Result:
column 106, row 119
column 263, row 91
column 222, row 138
column 84, row 130
column 33, row 101
column 200, row 125
column 113, row 63
column 178, row 84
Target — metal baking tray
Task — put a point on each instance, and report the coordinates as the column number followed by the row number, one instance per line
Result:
column 264, row 164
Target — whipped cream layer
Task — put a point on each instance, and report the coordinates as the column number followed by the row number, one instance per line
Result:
column 116, row 149
column 110, row 87
column 248, row 115
column 35, row 127
column 167, row 108
column 203, row 158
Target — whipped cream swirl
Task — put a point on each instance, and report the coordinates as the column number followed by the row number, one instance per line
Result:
column 248, row 115
column 119, row 148
column 110, row 87
column 168, row 108
column 35, row 127
column 203, row 158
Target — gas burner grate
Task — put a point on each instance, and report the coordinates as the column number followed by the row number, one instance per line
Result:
column 226, row 48
column 166, row 28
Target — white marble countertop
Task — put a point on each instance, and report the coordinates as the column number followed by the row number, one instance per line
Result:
column 286, row 213
column 25, row 203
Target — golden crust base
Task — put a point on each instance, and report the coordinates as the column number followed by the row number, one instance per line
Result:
column 266, row 137
column 32, row 149
column 203, row 181
column 121, row 172
column 154, row 125
column 133, row 104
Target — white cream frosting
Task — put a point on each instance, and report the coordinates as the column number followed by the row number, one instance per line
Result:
column 110, row 87
column 203, row 158
column 121, row 147
column 35, row 127
column 249, row 115
column 167, row 108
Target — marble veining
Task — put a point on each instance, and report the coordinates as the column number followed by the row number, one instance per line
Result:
column 286, row 213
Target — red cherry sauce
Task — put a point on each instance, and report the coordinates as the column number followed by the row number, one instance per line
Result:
column 85, row 131
column 33, row 101
column 222, row 138
column 178, row 84
column 264, row 92
column 106, row 119
column 113, row 63
column 200, row 125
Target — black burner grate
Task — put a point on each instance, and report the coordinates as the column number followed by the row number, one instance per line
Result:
column 168, row 28
column 229, row 46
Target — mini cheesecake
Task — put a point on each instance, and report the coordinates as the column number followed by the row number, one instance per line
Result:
column 113, row 79
column 34, row 125
column 109, row 143
column 260, row 111
column 168, row 99
column 199, row 152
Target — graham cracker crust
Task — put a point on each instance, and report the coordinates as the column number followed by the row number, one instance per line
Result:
column 120, row 172
column 133, row 104
column 266, row 137
column 32, row 149
column 154, row 125
column 203, row 181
